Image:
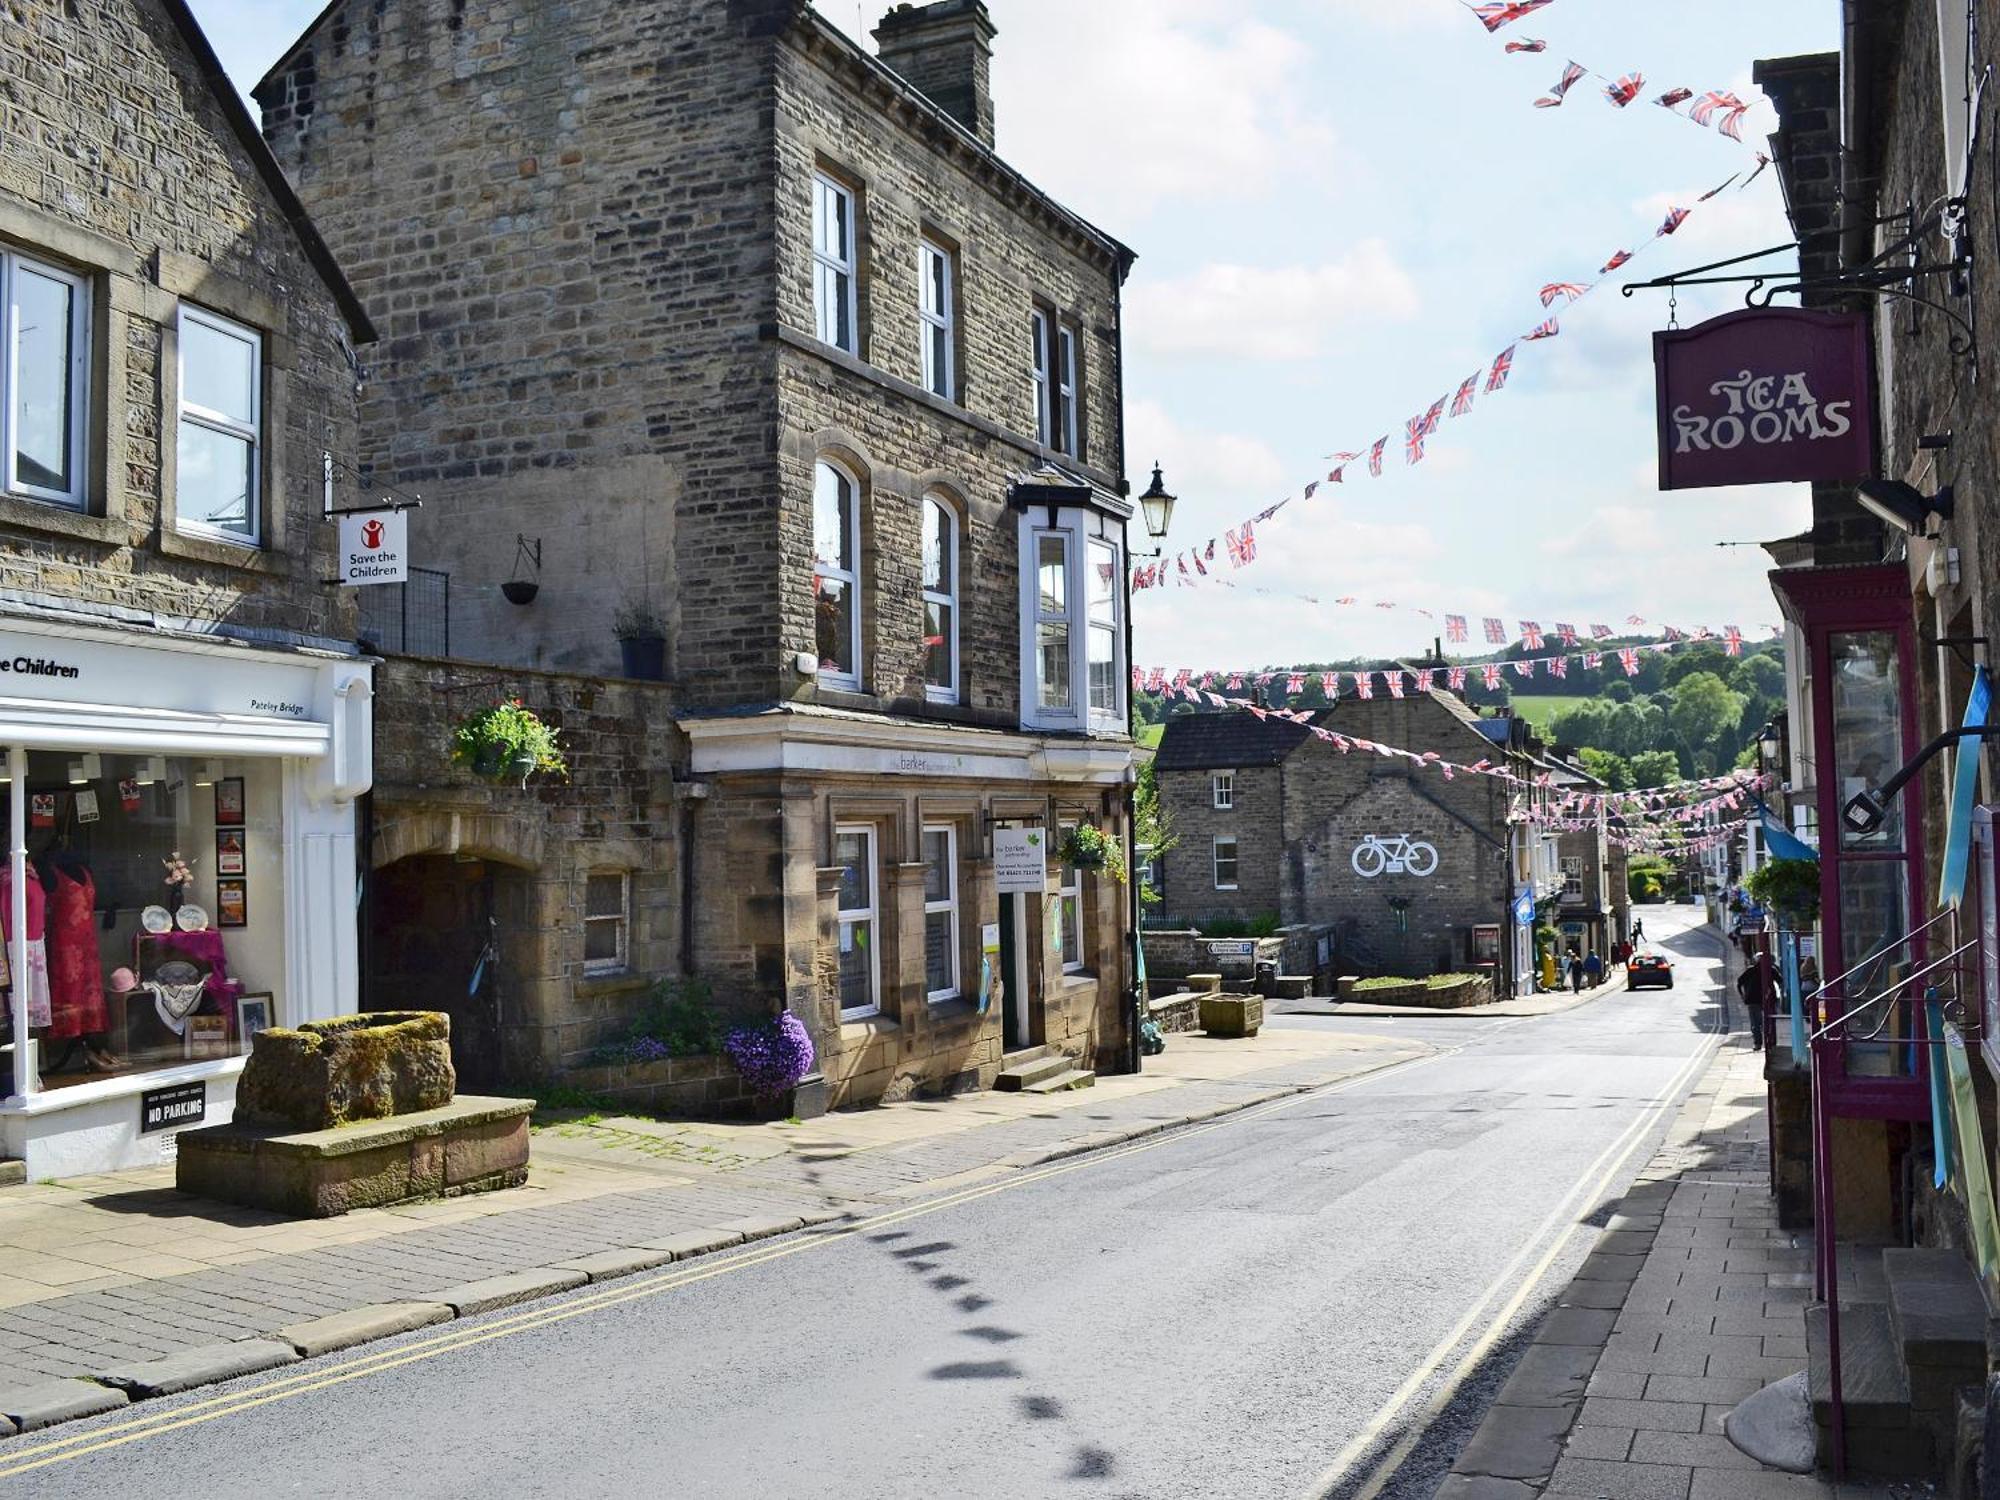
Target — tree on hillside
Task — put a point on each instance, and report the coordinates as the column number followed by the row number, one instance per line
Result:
column 1761, row 676
column 1613, row 770
column 1655, row 768
column 1617, row 692
column 1705, row 714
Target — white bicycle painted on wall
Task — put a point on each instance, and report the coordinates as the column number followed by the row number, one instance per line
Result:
column 1375, row 856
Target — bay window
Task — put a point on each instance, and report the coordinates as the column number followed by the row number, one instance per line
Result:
column 837, row 575
column 44, row 374
column 857, row 918
column 1055, row 695
column 220, row 427
column 940, row 601
column 1073, row 627
column 834, row 265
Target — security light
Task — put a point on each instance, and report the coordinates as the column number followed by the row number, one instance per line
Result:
column 1901, row 505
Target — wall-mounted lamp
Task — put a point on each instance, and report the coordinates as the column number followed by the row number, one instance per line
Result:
column 1903, row 506
column 519, row 590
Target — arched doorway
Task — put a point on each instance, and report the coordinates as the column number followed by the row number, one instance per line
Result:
column 437, row 926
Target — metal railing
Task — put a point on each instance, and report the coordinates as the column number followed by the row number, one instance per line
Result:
column 409, row 619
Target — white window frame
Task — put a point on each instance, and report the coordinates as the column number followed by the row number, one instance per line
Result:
column 842, row 260
column 1235, row 861
column 943, row 319
column 1222, row 787
column 871, row 914
column 948, row 907
column 1572, row 874
column 1066, row 389
column 1083, row 528
column 851, row 575
column 946, row 597
column 1041, row 354
column 79, row 381
column 621, row 921
column 200, row 416
column 1069, row 889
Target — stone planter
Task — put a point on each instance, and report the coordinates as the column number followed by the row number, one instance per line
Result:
column 1205, row 984
column 1232, row 1015
column 326, row 1074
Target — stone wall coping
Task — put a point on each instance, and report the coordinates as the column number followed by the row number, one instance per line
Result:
column 366, row 1135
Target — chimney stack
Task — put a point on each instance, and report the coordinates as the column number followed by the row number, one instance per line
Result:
column 945, row 52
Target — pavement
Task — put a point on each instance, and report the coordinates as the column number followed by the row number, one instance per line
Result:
column 1313, row 1295
column 120, row 1287
column 1691, row 1300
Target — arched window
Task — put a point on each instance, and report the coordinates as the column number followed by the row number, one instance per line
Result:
column 940, row 601
column 837, row 575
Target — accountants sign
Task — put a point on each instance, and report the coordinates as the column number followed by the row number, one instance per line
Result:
column 1766, row 396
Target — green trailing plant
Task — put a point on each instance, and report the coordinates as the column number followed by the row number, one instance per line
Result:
column 1787, row 887
column 507, row 742
column 1087, row 847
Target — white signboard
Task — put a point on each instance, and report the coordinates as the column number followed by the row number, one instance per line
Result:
column 1020, row 861
column 375, row 547
column 83, row 669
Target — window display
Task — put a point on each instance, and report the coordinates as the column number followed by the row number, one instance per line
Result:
column 127, row 970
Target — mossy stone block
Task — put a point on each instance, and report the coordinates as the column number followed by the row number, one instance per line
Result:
column 329, row 1073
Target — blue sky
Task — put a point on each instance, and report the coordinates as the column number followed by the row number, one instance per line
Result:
column 1342, row 208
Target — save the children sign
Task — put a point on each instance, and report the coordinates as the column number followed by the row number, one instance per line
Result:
column 1765, row 396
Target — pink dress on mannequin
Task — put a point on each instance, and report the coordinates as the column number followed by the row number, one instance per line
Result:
column 76, row 973
column 38, row 949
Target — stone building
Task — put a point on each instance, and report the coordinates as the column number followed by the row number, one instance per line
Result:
column 179, row 680
column 747, row 351
column 1415, row 873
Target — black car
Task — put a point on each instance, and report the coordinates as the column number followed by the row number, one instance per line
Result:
column 1646, row 969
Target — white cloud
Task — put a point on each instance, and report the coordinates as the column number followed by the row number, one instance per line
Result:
column 1219, row 472
column 1271, row 313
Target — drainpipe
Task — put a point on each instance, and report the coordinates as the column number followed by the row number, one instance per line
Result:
column 686, row 862
column 1856, row 120
column 1134, row 998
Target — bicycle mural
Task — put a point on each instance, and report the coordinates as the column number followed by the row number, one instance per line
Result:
column 1402, row 855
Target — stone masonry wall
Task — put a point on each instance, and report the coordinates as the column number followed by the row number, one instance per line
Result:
column 1187, row 798
column 561, row 218
column 117, row 162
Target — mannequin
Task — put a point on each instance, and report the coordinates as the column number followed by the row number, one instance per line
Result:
column 76, row 972
column 38, row 952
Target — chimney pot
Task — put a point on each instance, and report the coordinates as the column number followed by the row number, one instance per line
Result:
column 945, row 52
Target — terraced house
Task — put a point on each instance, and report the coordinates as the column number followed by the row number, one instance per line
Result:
column 797, row 413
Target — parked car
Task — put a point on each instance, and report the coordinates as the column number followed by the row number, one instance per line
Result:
column 1649, row 969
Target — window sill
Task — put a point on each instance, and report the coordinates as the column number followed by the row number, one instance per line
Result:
column 251, row 559
column 610, row 982
column 958, row 1010
column 60, row 520
column 864, row 1028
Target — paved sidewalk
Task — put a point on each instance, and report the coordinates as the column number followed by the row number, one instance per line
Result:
column 1692, row 1299
column 119, row 1285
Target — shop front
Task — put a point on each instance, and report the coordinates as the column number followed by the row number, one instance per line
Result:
column 180, row 875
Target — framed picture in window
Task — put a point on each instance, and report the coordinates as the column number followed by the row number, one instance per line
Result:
column 232, row 903
column 253, row 1014
column 229, row 855
column 229, row 802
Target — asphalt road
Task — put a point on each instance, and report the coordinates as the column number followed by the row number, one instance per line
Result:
column 1270, row 1305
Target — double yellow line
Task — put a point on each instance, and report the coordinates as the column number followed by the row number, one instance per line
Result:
column 17, row 1460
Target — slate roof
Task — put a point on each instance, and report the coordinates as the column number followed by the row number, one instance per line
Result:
column 1226, row 741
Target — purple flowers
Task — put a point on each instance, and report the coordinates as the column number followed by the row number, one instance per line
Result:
column 645, row 1049
column 771, row 1057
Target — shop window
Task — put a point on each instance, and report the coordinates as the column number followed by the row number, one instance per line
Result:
column 1225, row 863
column 857, row 917
column 156, row 905
column 941, row 913
column 937, row 271
column 1069, row 905
column 940, row 601
column 44, row 375
column 834, row 264
column 607, row 923
column 1223, row 787
column 220, row 438
column 837, row 575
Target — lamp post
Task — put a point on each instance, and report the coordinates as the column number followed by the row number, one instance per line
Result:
column 1157, row 506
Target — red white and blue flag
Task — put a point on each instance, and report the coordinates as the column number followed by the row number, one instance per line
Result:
column 1375, row 457
column 1506, row 12
column 1461, row 404
column 1546, row 330
column 1626, row 89
column 1491, row 673
column 1568, row 289
column 1503, row 366
column 1565, row 633
column 1675, row 218
column 1531, row 635
column 1528, row 44
column 1555, row 96
column 1454, row 679
column 1615, row 262
column 1454, row 627
column 1496, row 631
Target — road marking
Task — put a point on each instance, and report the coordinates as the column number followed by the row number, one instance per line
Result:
column 15, row 1461
column 1338, row 1471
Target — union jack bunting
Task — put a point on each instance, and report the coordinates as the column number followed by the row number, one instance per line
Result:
column 1181, row 679
column 1295, row 683
column 1329, row 683
column 1426, row 676
column 1462, row 402
column 1559, row 666
column 1211, row 549
column 1138, row 679
column 1311, row 490
column 1546, row 330
column 1732, row 640
column 1395, row 680
column 1195, row 557
column 1454, row 679
column 1763, row 161
column 1570, row 289
column 1491, row 673
column 1216, row 700
column 1674, row 634
column 1496, row 632
column 1592, row 660
column 1206, row 681
column 1422, row 427
column 1527, row 44
column 1732, row 123
column 1493, row 17
column 1615, row 262
column 1705, row 108
column 1674, row 96
column 1375, row 457
column 1263, row 679
column 1525, row 667
column 1235, row 683
column 1675, row 218
column 1531, row 635
column 1156, row 679
column 1364, row 684
column 1629, row 660
column 1635, row 619
column 1242, row 545
column 1626, row 89
column 1555, row 96
column 1454, row 628
column 1602, row 632
column 1503, row 366
column 1718, row 187
column 1566, row 633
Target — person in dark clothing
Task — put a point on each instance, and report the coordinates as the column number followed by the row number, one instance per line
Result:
column 1750, row 989
column 1575, row 972
column 1593, row 968
column 1638, row 931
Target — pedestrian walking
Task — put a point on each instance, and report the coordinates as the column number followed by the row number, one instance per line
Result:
column 1638, row 931
column 1593, row 968
column 1750, row 989
column 1575, row 972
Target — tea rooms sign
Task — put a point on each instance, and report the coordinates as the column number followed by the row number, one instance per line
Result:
column 1765, row 396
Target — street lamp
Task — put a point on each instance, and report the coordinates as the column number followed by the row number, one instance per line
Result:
column 1769, row 745
column 1158, row 507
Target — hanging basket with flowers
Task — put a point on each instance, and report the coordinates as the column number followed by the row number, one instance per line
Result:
column 507, row 742
column 1087, row 847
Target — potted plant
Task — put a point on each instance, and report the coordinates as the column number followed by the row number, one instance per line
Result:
column 642, row 641
column 1787, row 887
column 1087, row 847
column 507, row 742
